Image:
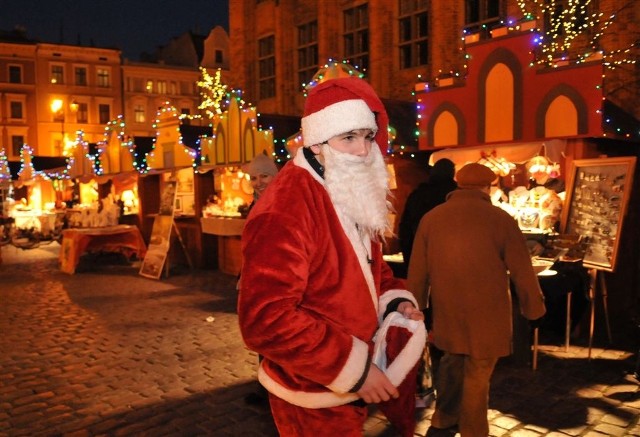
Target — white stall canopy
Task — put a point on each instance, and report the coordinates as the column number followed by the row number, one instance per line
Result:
column 513, row 153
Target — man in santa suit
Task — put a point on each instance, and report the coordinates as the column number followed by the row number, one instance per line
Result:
column 315, row 290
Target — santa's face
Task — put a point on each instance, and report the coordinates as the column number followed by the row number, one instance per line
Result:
column 357, row 180
column 356, row 142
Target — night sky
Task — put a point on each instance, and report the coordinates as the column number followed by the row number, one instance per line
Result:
column 134, row 26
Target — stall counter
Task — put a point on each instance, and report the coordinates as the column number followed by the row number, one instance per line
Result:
column 228, row 230
column 222, row 226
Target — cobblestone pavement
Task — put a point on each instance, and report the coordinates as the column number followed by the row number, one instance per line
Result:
column 108, row 352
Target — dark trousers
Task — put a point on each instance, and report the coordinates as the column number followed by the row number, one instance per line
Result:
column 462, row 394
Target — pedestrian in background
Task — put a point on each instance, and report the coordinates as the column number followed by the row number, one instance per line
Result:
column 423, row 199
column 315, row 288
column 464, row 255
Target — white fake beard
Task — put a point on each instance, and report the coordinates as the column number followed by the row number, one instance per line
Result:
column 358, row 187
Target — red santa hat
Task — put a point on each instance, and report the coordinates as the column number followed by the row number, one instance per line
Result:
column 340, row 105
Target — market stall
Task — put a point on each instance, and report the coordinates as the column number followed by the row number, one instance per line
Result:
column 519, row 116
column 224, row 155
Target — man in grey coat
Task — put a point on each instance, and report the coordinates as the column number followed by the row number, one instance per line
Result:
column 465, row 253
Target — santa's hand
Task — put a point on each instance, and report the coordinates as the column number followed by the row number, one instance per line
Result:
column 409, row 311
column 377, row 387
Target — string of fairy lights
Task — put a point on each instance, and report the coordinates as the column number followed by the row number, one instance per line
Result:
column 5, row 171
column 212, row 92
column 567, row 21
column 567, row 30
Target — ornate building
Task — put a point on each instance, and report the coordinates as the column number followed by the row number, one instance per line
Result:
column 48, row 92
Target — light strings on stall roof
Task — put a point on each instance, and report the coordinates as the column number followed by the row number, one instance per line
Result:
column 118, row 125
column 331, row 70
column 570, row 22
column 5, row 171
column 26, row 164
column 28, row 171
column 84, row 147
column 166, row 108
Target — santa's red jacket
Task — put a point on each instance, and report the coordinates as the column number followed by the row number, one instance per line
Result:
column 310, row 302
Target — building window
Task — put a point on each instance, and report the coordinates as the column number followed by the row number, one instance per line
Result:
column 173, row 88
column 15, row 74
column 187, row 88
column 356, row 36
column 17, row 141
column 267, row 67
column 482, row 15
column 139, row 114
column 218, row 57
column 16, row 110
column 414, row 33
column 82, row 115
column 104, row 112
column 149, row 87
column 162, row 87
column 103, row 78
column 307, row 51
column 80, row 74
column 57, row 74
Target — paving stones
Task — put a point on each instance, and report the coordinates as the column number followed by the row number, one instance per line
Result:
column 107, row 352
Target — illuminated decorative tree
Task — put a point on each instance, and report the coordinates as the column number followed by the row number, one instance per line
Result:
column 212, row 92
column 574, row 29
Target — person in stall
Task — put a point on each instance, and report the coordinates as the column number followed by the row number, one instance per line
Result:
column 261, row 171
column 546, row 194
column 544, row 187
column 423, row 199
column 315, row 289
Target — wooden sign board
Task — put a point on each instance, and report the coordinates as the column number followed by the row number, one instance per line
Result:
column 158, row 249
column 598, row 192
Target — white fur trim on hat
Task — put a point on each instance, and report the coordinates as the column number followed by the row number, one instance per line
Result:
column 337, row 119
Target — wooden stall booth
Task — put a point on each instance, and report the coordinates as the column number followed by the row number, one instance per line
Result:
column 172, row 159
column 236, row 140
column 514, row 114
column 38, row 193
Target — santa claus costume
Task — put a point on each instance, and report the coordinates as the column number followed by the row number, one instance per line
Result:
column 315, row 289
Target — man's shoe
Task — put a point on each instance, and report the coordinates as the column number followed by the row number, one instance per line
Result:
column 442, row 432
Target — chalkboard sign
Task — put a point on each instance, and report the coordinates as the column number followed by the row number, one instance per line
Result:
column 598, row 192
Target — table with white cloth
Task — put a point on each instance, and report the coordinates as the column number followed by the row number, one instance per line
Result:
column 124, row 239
